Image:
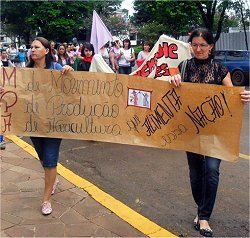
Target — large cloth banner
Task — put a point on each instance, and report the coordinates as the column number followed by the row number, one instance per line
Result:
column 122, row 109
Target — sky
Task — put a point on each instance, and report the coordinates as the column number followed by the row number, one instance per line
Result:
column 128, row 4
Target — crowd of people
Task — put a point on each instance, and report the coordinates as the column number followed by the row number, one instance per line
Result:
column 204, row 170
column 119, row 56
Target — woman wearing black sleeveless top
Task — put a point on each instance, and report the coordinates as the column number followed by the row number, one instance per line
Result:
column 204, row 170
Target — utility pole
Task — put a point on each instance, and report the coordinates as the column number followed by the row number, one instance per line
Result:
column 244, row 26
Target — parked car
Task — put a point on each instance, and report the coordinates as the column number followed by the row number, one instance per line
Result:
column 237, row 62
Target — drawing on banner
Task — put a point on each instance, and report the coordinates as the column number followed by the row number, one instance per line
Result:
column 139, row 98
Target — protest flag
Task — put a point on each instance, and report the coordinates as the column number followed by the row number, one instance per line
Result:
column 100, row 34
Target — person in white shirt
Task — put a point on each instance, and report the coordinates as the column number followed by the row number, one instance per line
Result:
column 104, row 52
column 143, row 54
column 114, row 55
column 127, row 57
column 12, row 52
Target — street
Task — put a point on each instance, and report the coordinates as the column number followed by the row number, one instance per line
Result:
column 155, row 183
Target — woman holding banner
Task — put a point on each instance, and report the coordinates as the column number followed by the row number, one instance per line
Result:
column 204, row 170
column 46, row 148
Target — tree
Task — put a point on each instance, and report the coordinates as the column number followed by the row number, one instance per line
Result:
column 150, row 32
column 115, row 24
column 176, row 17
column 244, row 15
column 208, row 10
column 144, row 12
column 14, row 19
column 57, row 20
column 62, row 21
column 180, row 17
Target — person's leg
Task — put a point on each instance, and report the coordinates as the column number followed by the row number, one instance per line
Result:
column 50, row 177
column 51, row 154
column 195, row 163
column 210, row 186
column 38, row 144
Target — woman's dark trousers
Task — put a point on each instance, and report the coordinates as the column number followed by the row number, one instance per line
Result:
column 204, row 178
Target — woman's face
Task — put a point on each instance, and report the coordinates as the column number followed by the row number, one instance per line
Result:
column 126, row 44
column 61, row 50
column 52, row 45
column 87, row 52
column 146, row 47
column 68, row 48
column 38, row 51
column 201, row 48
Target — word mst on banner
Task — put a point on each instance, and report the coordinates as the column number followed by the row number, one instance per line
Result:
column 165, row 50
column 6, row 117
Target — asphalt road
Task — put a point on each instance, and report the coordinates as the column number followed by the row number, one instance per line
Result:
column 155, row 183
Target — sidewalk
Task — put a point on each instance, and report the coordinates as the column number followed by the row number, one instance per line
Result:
column 75, row 212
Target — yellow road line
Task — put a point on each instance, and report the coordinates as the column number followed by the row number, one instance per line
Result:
column 243, row 156
column 135, row 219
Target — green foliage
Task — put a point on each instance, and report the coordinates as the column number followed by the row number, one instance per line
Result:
column 13, row 17
column 151, row 32
column 115, row 24
column 241, row 11
column 229, row 21
column 137, row 49
column 169, row 17
column 178, row 17
column 57, row 20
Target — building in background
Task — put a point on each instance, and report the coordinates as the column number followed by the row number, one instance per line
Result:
column 130, row 31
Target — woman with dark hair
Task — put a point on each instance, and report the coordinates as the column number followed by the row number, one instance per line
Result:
column 143, row 54
column 204, row 170
column 63, row 58
column 53, row 51
column 127, row 56
column 87, row 54
column 46, row 148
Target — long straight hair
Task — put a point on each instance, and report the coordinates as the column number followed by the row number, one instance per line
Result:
column 48, row 57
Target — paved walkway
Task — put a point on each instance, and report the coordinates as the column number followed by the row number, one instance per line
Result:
column 75, row 212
